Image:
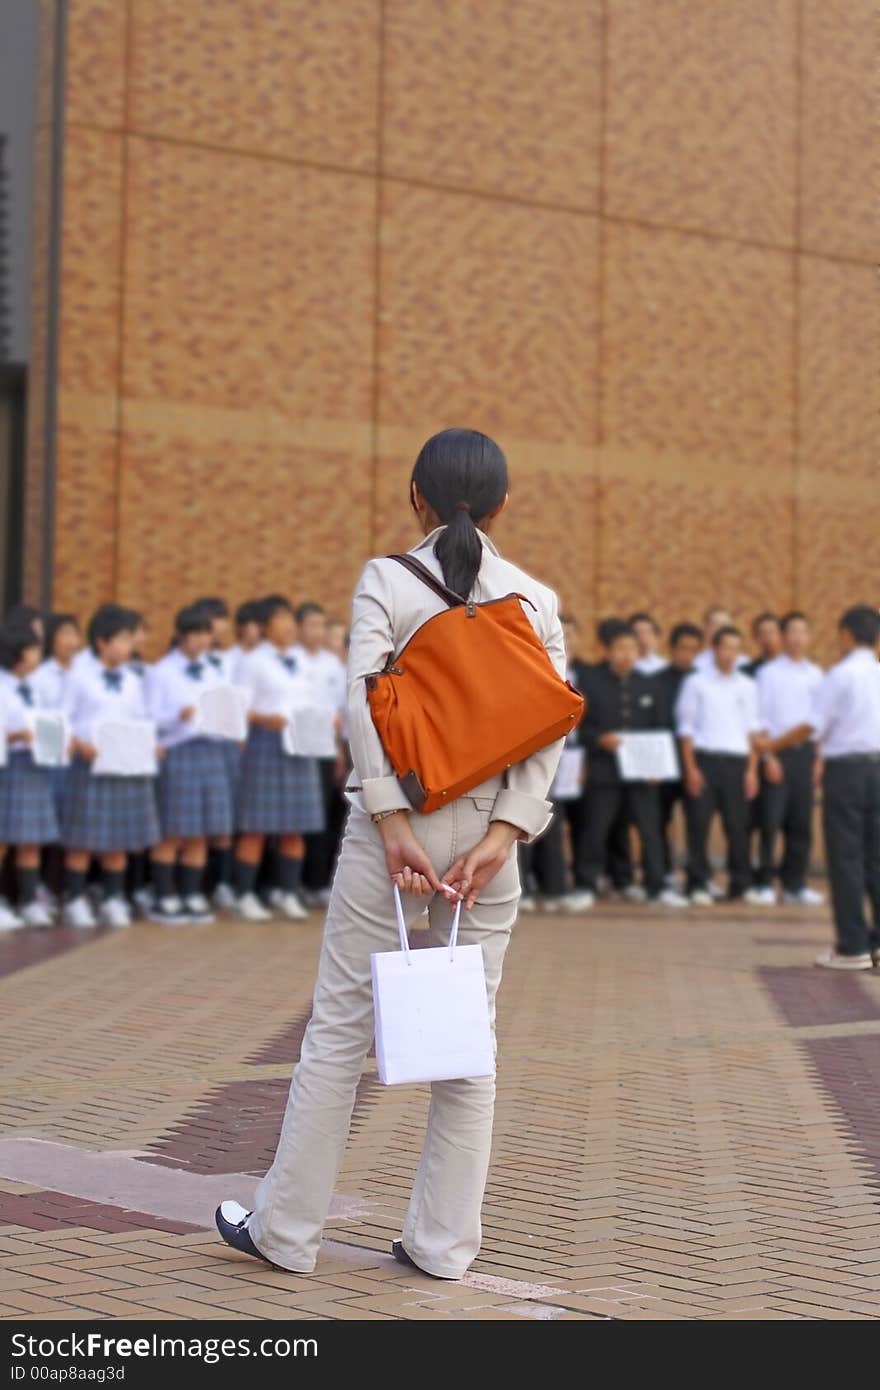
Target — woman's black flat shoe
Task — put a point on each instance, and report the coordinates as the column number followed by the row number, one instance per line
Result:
column 404, row 1258
column 231, row 1220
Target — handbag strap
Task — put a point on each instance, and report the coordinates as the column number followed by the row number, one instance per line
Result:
column 401, row 927
column 449, row 596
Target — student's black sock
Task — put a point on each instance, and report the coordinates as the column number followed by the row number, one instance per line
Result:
column 27, row 885
column 114, row 881
column 163, row 879
column 289, row 872
column 221, row 866
column 75, row 882
column 190, row 880
column 244, row 877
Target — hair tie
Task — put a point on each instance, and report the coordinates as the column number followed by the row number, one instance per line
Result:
column 462, row 506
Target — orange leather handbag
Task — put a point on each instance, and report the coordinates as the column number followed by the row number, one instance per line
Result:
column 471, row 693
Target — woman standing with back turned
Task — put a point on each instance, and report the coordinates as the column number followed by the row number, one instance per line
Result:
column 458, row 487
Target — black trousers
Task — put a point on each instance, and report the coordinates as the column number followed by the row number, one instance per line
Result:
column 724, row 775
column 788, row 807
column 670, row 795
column 322, row 846
column 542, row 864
column 851, row 820
column 575, row 812
column 606, row 804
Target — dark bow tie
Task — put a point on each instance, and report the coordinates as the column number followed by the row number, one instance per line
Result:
column 26, row 693
column 215, row 660
column 288, row 661
column 113, row 680
column 194, row 670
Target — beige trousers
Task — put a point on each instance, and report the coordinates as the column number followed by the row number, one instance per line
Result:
column 442, row 1228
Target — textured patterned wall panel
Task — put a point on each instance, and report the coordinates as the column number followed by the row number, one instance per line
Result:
column 839, row 476
column 85, row 511
column 489, row 95
column 702, row 115
column 488, row 318
column 840, row 146
column 95, row 77
column 86, row 463
column 239, row 518
column 295, row 79
column 839, row 379
column 837, row 549
column 248, row 374
column 249, row 285
column 675, row 545
column 699, row 352
column 90, row 263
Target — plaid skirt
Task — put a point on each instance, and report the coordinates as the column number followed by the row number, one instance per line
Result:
column 232, row 756
column 193, row 793
column 27, row 808
column 108, row 815
column 278, row 794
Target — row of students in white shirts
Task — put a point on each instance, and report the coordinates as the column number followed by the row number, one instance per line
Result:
column 101, row 681
column 807, row 728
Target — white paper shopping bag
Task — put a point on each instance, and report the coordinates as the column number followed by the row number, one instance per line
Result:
column 431, row 1010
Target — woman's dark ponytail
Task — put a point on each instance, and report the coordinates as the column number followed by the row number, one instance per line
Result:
column 462, row 475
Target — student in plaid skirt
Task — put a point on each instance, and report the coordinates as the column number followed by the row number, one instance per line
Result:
column 62, row 643
column 280, row 794
column 27, row 809
column 222, row 658
column 108, row 817
column 193, row 791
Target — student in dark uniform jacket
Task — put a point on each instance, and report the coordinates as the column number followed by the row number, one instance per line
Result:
column 620, row 698
column 685, row 641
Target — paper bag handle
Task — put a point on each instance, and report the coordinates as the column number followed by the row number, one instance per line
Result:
column 401, row 927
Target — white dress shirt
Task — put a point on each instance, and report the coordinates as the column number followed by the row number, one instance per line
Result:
column 325, row 675
column 652, row 663
column 90, row 697
column 48, row 683
column 786, row 693
column 718, row 712
column 274, row 681
column 172, row 685
column 846, row 714
column 390, row 604
column 18, row 710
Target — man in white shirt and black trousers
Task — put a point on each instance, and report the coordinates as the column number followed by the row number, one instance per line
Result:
column 846, row 722
column 717, row 721
column 787, row 686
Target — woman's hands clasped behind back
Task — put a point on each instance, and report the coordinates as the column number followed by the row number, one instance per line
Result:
column 411, row 869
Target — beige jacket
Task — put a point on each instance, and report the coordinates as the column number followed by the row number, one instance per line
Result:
column 389, row 605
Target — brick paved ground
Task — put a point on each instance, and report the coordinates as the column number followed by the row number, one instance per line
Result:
column 688, row 1127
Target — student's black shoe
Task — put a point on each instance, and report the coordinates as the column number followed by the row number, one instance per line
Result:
column 231, row 1219
column 404, row 1258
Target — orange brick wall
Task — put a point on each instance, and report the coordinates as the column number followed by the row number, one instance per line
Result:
column 632, row 239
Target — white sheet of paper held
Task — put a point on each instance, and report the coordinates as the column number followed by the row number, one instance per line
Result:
column 569, row 780
column 51, row 738
column 310, row 733
column 221, row 712
column 648, row 757
column 126, row 748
